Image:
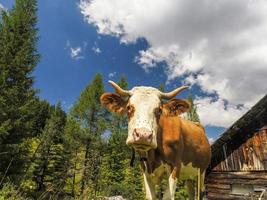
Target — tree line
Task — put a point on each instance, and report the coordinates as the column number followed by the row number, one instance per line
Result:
column 46, row 153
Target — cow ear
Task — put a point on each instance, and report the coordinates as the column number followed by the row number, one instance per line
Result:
column 113, row 102
column 176, row 107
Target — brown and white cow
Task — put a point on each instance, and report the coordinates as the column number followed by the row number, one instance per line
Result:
column 171, row 145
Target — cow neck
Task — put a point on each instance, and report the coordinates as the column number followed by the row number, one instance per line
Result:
column 149, row 160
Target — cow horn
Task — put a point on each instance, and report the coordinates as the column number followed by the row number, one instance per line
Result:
column 119, row 90
column 173, row 93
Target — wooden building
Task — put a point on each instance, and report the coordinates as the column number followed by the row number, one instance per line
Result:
column 238, row 168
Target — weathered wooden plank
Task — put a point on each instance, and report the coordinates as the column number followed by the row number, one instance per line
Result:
column 218, row 196
column 213, row 196
column 238, row 175
column 259, row 182
column 241, row 172
column 219, row 186
column 218, row 191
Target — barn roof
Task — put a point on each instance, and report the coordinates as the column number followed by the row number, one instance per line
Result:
column 241, row 130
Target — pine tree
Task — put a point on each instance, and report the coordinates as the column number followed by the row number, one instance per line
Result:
column 18, row 58
column 73, row 138
column 88, row 111
column 42, row 111
column 162, row 87
column 192, row 112
column 50, row 164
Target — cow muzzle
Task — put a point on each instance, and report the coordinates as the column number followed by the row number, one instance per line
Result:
column 142, row 139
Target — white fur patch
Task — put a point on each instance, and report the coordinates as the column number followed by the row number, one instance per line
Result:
column 169, row 193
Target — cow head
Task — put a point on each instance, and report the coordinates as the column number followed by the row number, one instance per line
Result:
column 143, row 106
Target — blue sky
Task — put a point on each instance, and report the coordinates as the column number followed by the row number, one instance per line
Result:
column 154, row 46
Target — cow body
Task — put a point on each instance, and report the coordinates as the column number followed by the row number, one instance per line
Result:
column 167, row 144
column 182, row 150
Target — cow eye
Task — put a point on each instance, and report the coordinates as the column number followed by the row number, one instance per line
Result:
column 130, row 111
column 129, row 108
column 158, row 111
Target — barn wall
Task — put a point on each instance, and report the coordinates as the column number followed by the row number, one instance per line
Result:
column 251, row 155
column 239, row 133
column 219, row 184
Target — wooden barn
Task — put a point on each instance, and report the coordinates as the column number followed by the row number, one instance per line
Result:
column 238, row 168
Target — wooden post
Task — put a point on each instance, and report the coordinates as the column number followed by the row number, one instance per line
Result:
column 198, row 184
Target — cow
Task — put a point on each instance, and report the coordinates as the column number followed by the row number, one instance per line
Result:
column 167, row 143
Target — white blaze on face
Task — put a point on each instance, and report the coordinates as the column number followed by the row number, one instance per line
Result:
column 144, row 100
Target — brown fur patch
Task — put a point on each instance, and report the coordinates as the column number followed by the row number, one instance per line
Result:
column 113, row 102
column 175, row 107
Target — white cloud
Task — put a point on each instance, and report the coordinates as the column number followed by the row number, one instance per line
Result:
column 96, row 50
column 218, row 45
column 112, row 74
column 217, row 112
column 75, row 52
column 211, row 140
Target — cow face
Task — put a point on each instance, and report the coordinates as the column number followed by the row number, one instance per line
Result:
column 143, row 106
